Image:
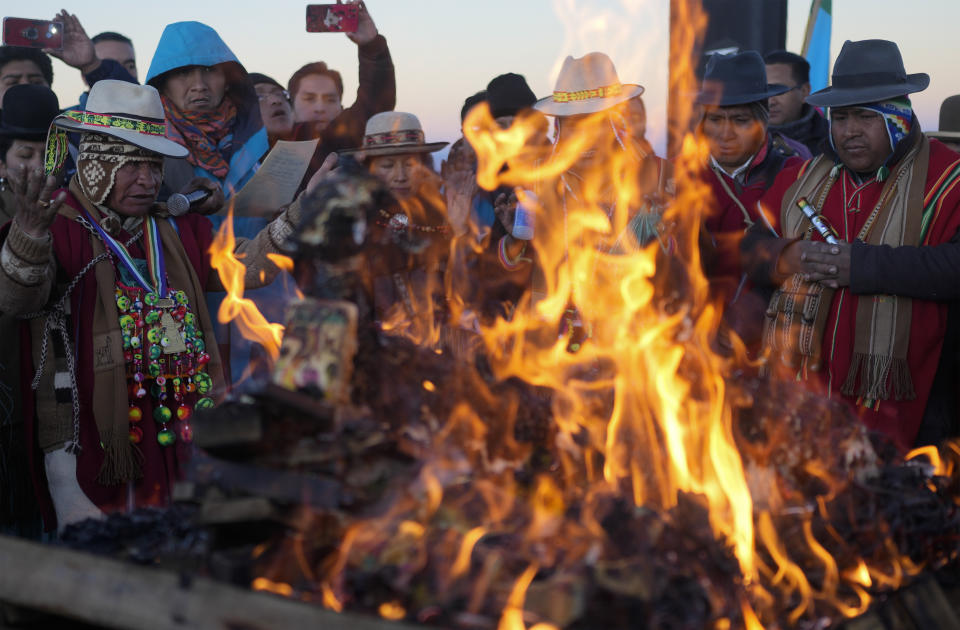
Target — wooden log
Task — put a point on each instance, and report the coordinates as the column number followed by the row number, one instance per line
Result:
column 242, row 510
column 927, row 605
column 919, row 606
column 279, row 485
column 112, row 594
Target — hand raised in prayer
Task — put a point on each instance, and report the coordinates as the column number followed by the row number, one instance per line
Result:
column 817, row 262
column 366, row 30
column 78, row 50
column 211, row 204
column 32, row 193
column 459, row 173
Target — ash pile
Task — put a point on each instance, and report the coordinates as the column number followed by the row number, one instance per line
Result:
column 385, row 470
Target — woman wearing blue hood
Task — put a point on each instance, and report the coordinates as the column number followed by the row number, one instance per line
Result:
column 213, row 110
column 211, row 107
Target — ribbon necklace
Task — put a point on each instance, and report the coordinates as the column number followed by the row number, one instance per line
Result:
column 157, row 281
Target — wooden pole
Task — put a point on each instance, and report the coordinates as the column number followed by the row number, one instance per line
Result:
column 112, row 594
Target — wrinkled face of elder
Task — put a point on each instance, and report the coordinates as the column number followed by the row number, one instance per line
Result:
column 135, row 188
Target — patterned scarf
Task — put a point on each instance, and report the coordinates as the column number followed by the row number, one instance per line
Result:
column 207, row 134
column 798, row 311
column 99, row 159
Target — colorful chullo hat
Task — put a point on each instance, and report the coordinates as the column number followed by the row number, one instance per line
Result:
column 122, row 122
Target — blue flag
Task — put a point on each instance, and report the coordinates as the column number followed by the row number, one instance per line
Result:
column 816, row 43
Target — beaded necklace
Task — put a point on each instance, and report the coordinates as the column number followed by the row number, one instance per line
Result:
column 401, row 222
column 163, row 344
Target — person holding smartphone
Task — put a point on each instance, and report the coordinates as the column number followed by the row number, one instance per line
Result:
column 316, row 94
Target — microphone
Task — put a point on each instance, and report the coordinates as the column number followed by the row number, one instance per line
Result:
column 179, row 204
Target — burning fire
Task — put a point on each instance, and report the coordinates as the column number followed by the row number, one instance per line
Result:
column 624, row 338
column 234, row 307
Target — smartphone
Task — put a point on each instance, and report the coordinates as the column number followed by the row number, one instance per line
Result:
column 332, row 18
column 32, row 33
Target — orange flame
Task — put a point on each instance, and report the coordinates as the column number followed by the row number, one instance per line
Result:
column 393, row 611
column 279, row 588
column 622, row 333
column 462, row 563
column 669, row 429
column 234, row 307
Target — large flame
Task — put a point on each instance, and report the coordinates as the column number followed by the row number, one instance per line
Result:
column 668, row 427
column 234, row 307
column 622, row 330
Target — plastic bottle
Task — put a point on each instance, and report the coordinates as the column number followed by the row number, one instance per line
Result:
column 523, row 220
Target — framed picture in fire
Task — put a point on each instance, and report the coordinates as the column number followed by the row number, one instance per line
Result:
column 318, row 347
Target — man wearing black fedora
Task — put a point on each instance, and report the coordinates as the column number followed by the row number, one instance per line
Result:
column 744, row 160
column 866, row 265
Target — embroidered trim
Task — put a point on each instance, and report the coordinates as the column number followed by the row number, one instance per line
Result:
column 26, row 273
column 606, row 91
column 117, row 122
column 402, row 136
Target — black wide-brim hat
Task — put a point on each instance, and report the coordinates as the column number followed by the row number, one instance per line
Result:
column 949, row 128
column 868, row 71
column 28, row 110
column 508, row 94
column 736, row 79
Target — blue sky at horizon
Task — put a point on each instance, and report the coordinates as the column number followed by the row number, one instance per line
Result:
column 445, row 51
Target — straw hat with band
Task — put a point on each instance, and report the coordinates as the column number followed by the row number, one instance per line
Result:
column 587, row 85
column 394, row 133
column 868, row 71
column 123, row 122
column 949, row 127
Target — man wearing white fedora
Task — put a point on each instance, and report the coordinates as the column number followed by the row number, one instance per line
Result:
column 117, row 330
column 590, row 105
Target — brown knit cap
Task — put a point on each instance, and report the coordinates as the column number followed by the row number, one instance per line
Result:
column 100, row 158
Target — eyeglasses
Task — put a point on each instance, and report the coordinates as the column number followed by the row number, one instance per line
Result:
column 274, row 92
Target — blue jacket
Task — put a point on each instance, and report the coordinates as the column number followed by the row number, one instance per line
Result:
column 196, row 44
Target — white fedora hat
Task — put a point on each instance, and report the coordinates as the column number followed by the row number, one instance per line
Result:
column 394, row 133
column 127, row 111
column 587, row 85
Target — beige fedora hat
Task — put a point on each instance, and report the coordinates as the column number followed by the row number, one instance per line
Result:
column 127, row 111
column 394, row 133
column 587, row 85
